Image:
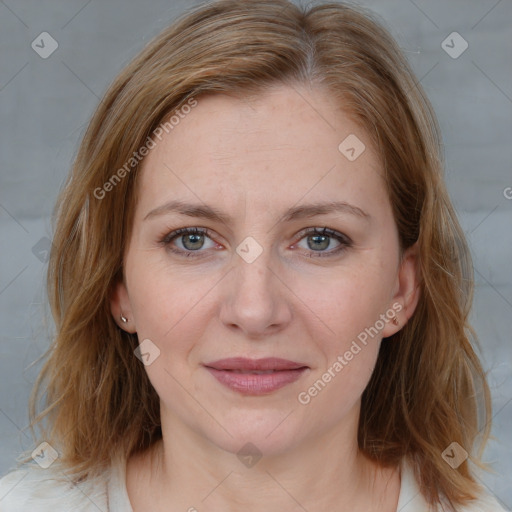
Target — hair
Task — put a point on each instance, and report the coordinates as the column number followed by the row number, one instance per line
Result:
column 428, row 388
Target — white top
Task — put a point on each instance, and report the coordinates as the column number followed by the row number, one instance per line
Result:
column 34, row 489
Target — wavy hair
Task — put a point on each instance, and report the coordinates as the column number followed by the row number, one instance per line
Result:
column 428, row 388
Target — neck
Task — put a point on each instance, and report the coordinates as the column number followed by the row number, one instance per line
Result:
column 188, row 472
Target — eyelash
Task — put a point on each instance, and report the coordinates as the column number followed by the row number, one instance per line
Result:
column 344, row 240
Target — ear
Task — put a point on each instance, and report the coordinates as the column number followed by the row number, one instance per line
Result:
column 120, row 307
column 407, row 292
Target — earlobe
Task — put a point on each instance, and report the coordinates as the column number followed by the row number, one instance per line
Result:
column 407, row 295
column 120, row 307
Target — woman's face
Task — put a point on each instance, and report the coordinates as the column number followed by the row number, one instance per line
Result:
column 259, row 180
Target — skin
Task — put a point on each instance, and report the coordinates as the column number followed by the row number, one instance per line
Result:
column 253, row 159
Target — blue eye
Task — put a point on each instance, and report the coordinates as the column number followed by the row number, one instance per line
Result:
column 318, row 240
column 189, row 240
column 195, row 241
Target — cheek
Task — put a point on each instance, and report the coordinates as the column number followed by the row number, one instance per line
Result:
column 346, row 302
column 165, row 303
column 349, row 343
column 171, row 311
column 335, row 391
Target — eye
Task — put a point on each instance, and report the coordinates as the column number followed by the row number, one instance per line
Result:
column 189, row 240
column 195, row 241
column 324, row 241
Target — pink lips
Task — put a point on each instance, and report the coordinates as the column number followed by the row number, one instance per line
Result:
column 255, row 376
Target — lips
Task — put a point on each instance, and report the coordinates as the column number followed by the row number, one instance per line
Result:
column 267, row 364
column 256, row 376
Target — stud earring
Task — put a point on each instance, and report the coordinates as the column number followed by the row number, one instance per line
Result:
column 395, row 320
column 124, row 319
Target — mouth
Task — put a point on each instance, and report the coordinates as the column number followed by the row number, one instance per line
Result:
column 256, row 376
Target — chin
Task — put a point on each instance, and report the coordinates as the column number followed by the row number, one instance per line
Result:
column 266, row 434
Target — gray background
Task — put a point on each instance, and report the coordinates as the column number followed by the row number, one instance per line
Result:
column 46, row 103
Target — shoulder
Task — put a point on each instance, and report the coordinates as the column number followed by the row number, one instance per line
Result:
column 485, row 503
column 411, row 499
column 45, row 490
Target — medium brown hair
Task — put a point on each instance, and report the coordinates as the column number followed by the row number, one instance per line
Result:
column 428, row 383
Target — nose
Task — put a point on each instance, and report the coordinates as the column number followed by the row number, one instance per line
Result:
column 255, row 300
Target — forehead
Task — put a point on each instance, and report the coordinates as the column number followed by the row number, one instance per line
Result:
column 273, row 148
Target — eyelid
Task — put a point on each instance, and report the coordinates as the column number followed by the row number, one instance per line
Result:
column 344, row 240
column 175, row 233
column 324, row 231
column 166, row 241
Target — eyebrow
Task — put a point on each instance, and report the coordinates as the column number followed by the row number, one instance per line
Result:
column 294, row 213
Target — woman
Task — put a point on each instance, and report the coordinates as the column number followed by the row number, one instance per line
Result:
column 259, row 284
